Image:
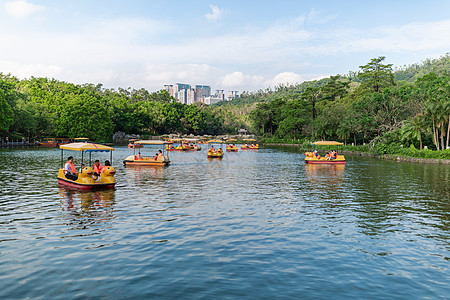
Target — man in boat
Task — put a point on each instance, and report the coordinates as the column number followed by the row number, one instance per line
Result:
column 97, row 168
column 139, row 156
column 69, row 169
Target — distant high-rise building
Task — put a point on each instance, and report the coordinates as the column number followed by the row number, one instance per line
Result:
column 232, row 95
column 190, row 96
column 169, row 88
column 202, row 91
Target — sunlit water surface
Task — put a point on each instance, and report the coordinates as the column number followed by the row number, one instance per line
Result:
column 254, row 225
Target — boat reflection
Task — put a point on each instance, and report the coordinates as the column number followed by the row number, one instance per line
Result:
column 325, row 176
column 87, row 206
column 137, row 174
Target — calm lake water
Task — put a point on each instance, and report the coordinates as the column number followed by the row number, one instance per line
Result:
column 254, row 225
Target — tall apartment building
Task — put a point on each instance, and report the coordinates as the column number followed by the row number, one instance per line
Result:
column 232, row 95
column 185, row 94
column 169, row 88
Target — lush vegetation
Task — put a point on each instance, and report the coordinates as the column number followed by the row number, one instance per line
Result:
column 40, row 107
column 370, row 106
column 406, row 110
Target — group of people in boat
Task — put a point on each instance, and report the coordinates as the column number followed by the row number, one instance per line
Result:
column 331, row 155
column 158, row 154
column 71, row 173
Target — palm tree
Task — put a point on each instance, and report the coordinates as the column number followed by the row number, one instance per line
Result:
column 412, row 129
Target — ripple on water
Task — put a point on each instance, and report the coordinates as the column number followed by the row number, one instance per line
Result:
column 256, row 224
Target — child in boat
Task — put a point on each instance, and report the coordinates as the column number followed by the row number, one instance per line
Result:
column 82, row 167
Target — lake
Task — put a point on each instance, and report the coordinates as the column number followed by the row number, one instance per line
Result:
column 253, row 225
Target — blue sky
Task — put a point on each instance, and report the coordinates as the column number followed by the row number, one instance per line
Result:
column 230, row 45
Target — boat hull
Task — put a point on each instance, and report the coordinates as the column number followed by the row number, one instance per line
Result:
column 146, row 161
column 84, row 186
column 327, row 162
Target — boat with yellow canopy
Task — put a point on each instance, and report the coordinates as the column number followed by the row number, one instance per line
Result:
column 182, row 146
column 213, row 153
column 160, row 159
column 191, row 144
column 134, row 144
column 313, row 157
column 252, row 146
column 85, row 178
column 231, row 147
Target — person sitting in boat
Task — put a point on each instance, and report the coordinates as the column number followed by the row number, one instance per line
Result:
column 333, row 154
column 69, row 169
column 139, row 156
column 316, row 154
column 158, row 154
column 81, row 169
column 97, row 168
column 107, row 164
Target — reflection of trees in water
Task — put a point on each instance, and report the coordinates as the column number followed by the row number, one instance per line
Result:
column 87, row 207
column 388, row 195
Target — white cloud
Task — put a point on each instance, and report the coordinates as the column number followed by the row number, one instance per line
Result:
column 215, row 14
column 27, row 70
column 286, row 78
column 238, row 80
column 21, row 8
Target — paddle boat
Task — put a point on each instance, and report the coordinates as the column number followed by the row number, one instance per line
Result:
column 85, row 178
column 246, row 146
column 133, row 144
column 191, row 144
column 314, row 158
column 231, row 147
column 212, row 153
column 182, row 146
column 161, row 159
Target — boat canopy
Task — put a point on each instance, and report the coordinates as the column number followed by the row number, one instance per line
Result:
column 81, row 139
column 327, row 143
column 249, row 140
column 191, row 140
column 215, row 141
column 151, row 142
column 231, row 140
column 86, row 147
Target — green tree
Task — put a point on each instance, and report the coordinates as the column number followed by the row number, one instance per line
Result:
column 412, row 129
column 376, row 75
column 6, row 113
column 335, row 88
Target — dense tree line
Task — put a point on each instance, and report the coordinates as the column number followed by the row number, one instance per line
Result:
column 42, row 107
column 369, row 106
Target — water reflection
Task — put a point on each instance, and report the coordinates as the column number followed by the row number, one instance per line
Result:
column 137, row 174
column 325, row 176
column 87, row 207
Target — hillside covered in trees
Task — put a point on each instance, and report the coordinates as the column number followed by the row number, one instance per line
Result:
column 376, row 104
column 410, row 105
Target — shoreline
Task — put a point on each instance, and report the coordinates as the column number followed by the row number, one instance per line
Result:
column 392, row 157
